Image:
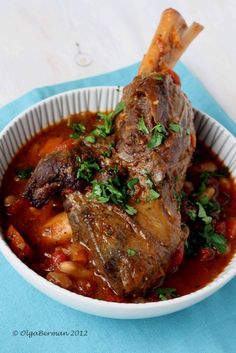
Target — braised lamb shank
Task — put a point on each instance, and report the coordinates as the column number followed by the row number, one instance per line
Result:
column 154, row 141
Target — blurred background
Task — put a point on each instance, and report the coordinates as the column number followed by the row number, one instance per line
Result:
column 51, row 41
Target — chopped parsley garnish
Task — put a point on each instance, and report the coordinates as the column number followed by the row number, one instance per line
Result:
column 112, row 190
column 165, row 293
column 158, row 77
column 149, row 183
column 75, row 136
column 142, row 126
column 131, row 183
column 108, row 152
column 213, row 239
column 78, row 129
column 159, row 134
column 192, row 214
column 178, row 196
column 204, row 200
column 106, row 129
column 188, row 131
column 131, row 252
column 199, row 212
column 202, row 214
column 130, row 210
column 109, row 190
column 87, row 169
column 24, row 173
column 90, row 139
column 153, row 195
column 144, row 172
column 175, row 127
column 205, row 176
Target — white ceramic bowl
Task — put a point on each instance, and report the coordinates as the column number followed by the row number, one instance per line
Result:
column 47, row 112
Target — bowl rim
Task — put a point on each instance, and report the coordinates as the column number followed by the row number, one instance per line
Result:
column 51, row 289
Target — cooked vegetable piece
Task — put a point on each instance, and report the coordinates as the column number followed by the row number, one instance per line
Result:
column 56, row 230
column 18, row 244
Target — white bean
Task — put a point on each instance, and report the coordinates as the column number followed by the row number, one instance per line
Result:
column 208, row 167
column 60, row 279
column 74, row 269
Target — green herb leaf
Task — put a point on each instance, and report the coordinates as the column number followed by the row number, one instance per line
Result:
column 213, row 239
column 188, row 131
column 87, row 169
column 108, row 153
column 158, row 136
column 149, row 183
column 202, row 214
column 165, row 293
column 130, row 210
column 144, row 172
column 131, row 252
column 192, row 214
column 118, row 109
column 75, row 135
column 99, row 192
column 204, row 200
column 131, row 183
column 205, row 176
column 153, row 195
column 178, row 196
column 142, row 127
column 109, row 190
column 24, row 173
column 158, row 77
column 106, row 129
column 175, row 127
column 78, row 127
column 90, row 139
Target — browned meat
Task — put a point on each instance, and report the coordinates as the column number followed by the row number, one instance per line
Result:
column 58, row 171
column 156, row 99
column 53, row 173
column 132, row 253
column 155, row 139
column 154, row 232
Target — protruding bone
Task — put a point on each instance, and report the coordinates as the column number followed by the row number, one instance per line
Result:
column 171, row 39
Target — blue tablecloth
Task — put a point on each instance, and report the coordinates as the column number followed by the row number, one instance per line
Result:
column 207, row 327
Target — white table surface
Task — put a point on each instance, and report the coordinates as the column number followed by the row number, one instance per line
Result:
column 38, row 41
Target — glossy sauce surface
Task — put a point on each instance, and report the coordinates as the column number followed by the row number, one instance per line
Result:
column 48, row 252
